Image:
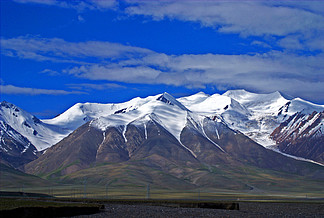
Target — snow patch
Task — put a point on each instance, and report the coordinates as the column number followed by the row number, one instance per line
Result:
column 294, row 157
column 145, row 130
column 124, row 132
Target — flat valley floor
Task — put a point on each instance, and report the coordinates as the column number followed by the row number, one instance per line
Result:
column 247, row 209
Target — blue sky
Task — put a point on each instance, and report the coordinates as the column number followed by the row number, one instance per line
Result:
column 57, row 53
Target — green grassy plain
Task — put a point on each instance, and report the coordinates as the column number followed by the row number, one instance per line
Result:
column 140, row 192
column 12, row 203
column 130, row 181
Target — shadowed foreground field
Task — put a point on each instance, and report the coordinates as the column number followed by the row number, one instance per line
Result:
column 163, row 208
column 247, row 209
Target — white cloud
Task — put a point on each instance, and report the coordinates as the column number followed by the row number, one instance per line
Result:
column 104, row 3
column 50, row 72
column 272, row 71
column 103, row 86
column 317, row 43
column 77, row 5
column 261, row 44
column 45, row 2
column 59, row 50
column 116, row 72
column 14, row 90
column 295, row 75
column 291, row 42
column 80, row 18
column 315, row 6
column 303, row 19
column 247, row 18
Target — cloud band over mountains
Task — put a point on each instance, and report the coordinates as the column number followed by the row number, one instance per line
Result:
column 10, row 89
column 116, row 62
column 293, row 33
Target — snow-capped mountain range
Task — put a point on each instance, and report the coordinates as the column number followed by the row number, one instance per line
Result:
column 255, row 115
column 39, row 133
column 302, row 135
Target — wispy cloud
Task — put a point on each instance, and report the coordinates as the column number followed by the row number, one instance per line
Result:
column 50, row 72
column 302, row 20
column 14, row 90
column 116, row 72
column 295, row 75
column 247, row 18
column 91, row 86
column 77, row 5
column 59, row 50
column 298, row 75
column 260, row 43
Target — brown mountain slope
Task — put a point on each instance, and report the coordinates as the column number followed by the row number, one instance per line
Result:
column 15, row 149
column 302, row 135
column 153, row 153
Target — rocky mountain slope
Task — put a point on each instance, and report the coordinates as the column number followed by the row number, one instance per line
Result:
column 255, row 115
column 15, row 149
column 40, row 134
column 302, row 135
column 161, row 138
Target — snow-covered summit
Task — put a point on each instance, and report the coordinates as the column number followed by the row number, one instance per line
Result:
column 163, row 109
column 169, row 99
column 82, row 113
column 40, row 134
column 265, row 102
column 193, row 99
column 256, row 115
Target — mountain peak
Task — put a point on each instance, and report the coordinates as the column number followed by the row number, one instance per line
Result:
column 237, row 93
column 169, row 99
column 198, row 95
column 275, row 95
column 201, row 93
column 7, row 104
column 244, row 96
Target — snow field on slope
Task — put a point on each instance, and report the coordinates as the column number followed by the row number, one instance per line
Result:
column 81, row 113
column 295, row 157
column 266, row 102
column 301, row 124
column 197, row 98
column 300, row 105
column 255, row 115
column 171, row 117
column 199, row 122
column 40, row 135
column 309, row 122
column 5, row 129
column 250, row 113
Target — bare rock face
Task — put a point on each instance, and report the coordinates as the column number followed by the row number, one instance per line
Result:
column 88, row 146
column 135, row 136
column 75, row 152
column 15, row 149
column 160, row 141
column 302, row 135
column 113, row 148
column 195, row 140
column 153, row 147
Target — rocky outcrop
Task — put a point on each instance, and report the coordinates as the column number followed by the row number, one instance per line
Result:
column 15, row 149
column 302, row 135
column 151, row 146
